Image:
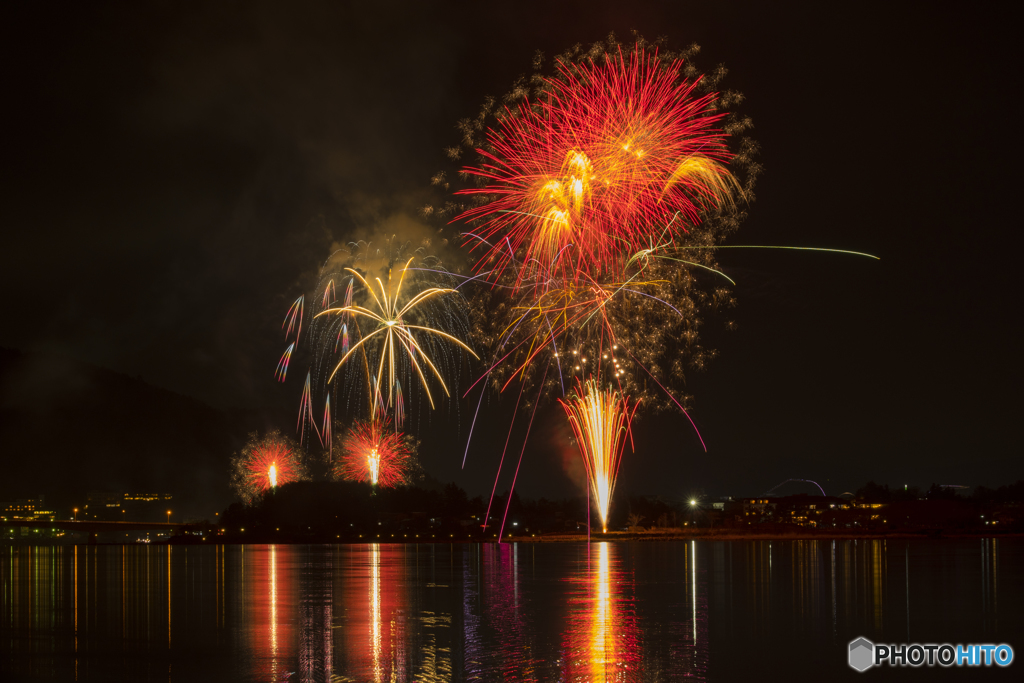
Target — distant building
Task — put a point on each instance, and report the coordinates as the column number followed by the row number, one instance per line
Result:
column 26, row 509
column 807, row 510
column 103, row 506
column 128, row 507
column 148, row 497
column 147, row 507
column 757, row 507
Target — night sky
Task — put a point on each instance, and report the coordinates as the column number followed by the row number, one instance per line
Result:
column 174, row 174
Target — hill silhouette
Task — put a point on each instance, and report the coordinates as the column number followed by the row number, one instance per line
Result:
column 69, row 427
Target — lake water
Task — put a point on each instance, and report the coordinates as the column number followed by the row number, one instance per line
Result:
column 657, row 611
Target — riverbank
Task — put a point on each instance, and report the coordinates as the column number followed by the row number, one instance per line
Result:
column 797, row 534
column 614, row 537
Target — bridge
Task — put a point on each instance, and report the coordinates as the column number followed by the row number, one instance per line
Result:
column 93, row 527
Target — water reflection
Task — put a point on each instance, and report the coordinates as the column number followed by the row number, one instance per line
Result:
column 373, row 614
column 316, row 653
column 271, row 594
column 598, row 612
column 504, row 608
column 602, row 639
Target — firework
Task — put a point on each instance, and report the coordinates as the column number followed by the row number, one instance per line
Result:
column 395, row 334
column 601, row 195
column 264, row 464
column 601, row 192
column 588, row 184
column 375, row 453
column 600, row 420
column 376, row 306
column 585, row 171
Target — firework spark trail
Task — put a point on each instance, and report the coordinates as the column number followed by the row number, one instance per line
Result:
column 600, row 420
column 342, row 338
column 472, row 424
column 282, row 365
column 293, row 318
column 554, row 348
column 772, row 246
column 501, row 463
column 372, row 452
column 348, row 292
column 378, row 399
column 526, row 438
column 329, row 295
column 399, row 405
column 306, row 412
column 327, row 426
column 678, row 404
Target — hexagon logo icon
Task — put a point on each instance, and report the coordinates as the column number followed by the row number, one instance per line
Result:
column 862, row 654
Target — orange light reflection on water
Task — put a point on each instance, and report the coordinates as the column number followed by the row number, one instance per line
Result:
column 374, row 605
column 603, row 641
column 273, row 610
column 602, row 638
column 273, row 632
column 378, row 670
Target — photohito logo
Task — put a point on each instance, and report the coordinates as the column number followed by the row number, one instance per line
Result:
column 864, row 654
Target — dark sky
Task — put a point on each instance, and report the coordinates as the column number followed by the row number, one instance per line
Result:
column 175, row 172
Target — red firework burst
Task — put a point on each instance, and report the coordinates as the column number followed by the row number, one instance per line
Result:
column 372, row 452
column 609, row 155
column 265, row 464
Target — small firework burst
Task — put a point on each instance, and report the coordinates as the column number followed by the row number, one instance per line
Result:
column 374, row 453
column 600, row 420
column 264, row 464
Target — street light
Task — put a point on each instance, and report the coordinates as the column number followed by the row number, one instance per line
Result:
column 693, row 503
column 168, row 516
column 76, row 514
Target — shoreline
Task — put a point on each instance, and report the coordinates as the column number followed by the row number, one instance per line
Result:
column 613, row 536
column 773, row 535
